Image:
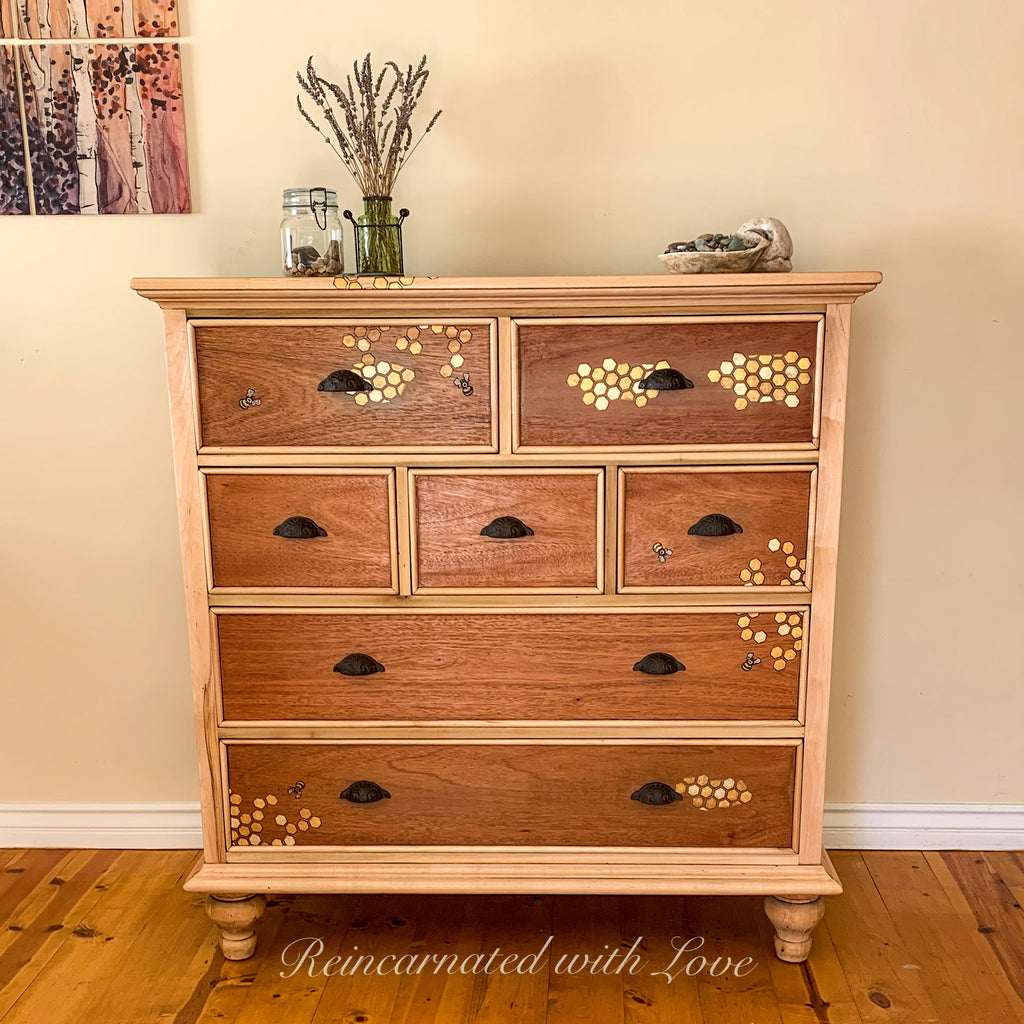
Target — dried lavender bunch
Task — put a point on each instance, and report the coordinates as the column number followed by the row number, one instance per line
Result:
column 368, row 121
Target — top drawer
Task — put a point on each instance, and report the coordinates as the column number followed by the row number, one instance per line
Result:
column 647, row 383
column 359, row 385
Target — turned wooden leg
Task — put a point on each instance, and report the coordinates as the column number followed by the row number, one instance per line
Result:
column 794, row 918
column 236, row 917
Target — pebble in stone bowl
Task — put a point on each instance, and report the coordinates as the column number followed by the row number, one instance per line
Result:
column 762, row 245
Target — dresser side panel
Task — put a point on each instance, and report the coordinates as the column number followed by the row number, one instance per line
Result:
column 826, row 545
column 191, row 515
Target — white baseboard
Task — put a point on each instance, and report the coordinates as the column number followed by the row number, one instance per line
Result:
column 102, row 826
column 847, row 826
column 924, row 827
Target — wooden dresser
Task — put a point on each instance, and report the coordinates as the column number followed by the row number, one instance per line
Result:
column 511, row 584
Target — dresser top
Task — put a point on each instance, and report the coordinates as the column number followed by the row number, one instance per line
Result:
column 668, row 293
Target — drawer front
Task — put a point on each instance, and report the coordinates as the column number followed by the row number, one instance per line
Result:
column 507, row 530
column 593, row 384
column 704, row 665
column 293, row 385
column 509, row 794
column 682, row 528
column 303, row 530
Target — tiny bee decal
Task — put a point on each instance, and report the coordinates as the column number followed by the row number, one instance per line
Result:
column 250, row 401
column 661, row 551
column 296, row 790
column 750, row 662
column 463, row 384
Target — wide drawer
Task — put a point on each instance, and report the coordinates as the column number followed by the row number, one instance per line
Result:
column 301, row 530
column 508, row 530
column 385, row 666
column 511, row 794
column 387, row 386
column 681, row 529
column 644, row 383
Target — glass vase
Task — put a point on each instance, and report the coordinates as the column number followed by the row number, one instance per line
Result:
column 378, row 237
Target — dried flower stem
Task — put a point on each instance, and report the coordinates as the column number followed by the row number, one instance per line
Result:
column 368, row 125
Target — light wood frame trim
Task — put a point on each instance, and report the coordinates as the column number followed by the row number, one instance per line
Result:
column 251, row 452
column 826, row 544
column 679, row 877
column 510, row 470
column 762, row 448
column 297, row 852
column 709, row 729
column 525, row 296
column 191, row 516
column 740, row 588
column 216, row 592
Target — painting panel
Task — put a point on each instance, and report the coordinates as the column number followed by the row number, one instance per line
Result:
column 13, row 182
column 7, row 24
column 97, row 19
column 106, row 128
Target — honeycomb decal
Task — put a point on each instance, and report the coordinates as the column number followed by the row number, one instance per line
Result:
column 437, row 345
column 784, row 631
column 264, row 821
column 781, row 563
column 389, row 380
column 764, row 378
column 378, row 281
column 707, row 794
column 614, row 382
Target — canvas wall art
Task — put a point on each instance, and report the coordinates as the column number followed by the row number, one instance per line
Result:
column 96, row 125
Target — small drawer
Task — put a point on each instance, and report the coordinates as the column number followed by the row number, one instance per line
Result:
column 701, row 665
column 360, row 386
column 645, row 383
column 508, row 530
column 299, row 530
column 633, row 794
column 716, row 529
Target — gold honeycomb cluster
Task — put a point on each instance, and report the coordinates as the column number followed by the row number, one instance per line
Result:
column 247, row 826
column 378, row 281
column 390, row 379
column 788, row 638
column 755, row 573
column 612, row 381
column 707, row 793
column 454, row 338
column 763, row 378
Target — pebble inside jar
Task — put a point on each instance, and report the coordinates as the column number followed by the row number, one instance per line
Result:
column 311, row 233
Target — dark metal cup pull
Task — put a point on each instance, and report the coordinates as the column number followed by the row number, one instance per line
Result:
column 364, row 792
column 665, row 380
column 506, row 528
column 659, row 664
column 656, row 794
column 344, row 380
column 357, row 664
column 714, row 525
column 299, row 528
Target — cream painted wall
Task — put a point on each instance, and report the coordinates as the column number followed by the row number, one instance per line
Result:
column 577, row 138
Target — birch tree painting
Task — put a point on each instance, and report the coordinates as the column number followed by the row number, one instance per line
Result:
column 104, row 120
column 13, row 185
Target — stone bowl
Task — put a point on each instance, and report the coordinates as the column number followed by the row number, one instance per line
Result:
column 715, row 262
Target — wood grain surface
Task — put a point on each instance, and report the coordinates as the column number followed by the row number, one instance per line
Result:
column 285, row 362
column 122, row 944
column 660, row 506
column 354, row 508
column 480, row 666
column 561, row 507
column 513, row 794
column 552, row 413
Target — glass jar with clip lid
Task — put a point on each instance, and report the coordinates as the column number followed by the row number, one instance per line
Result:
column 311, row 233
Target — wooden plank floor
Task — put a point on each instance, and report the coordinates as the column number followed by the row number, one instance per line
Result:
column 109, row 937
